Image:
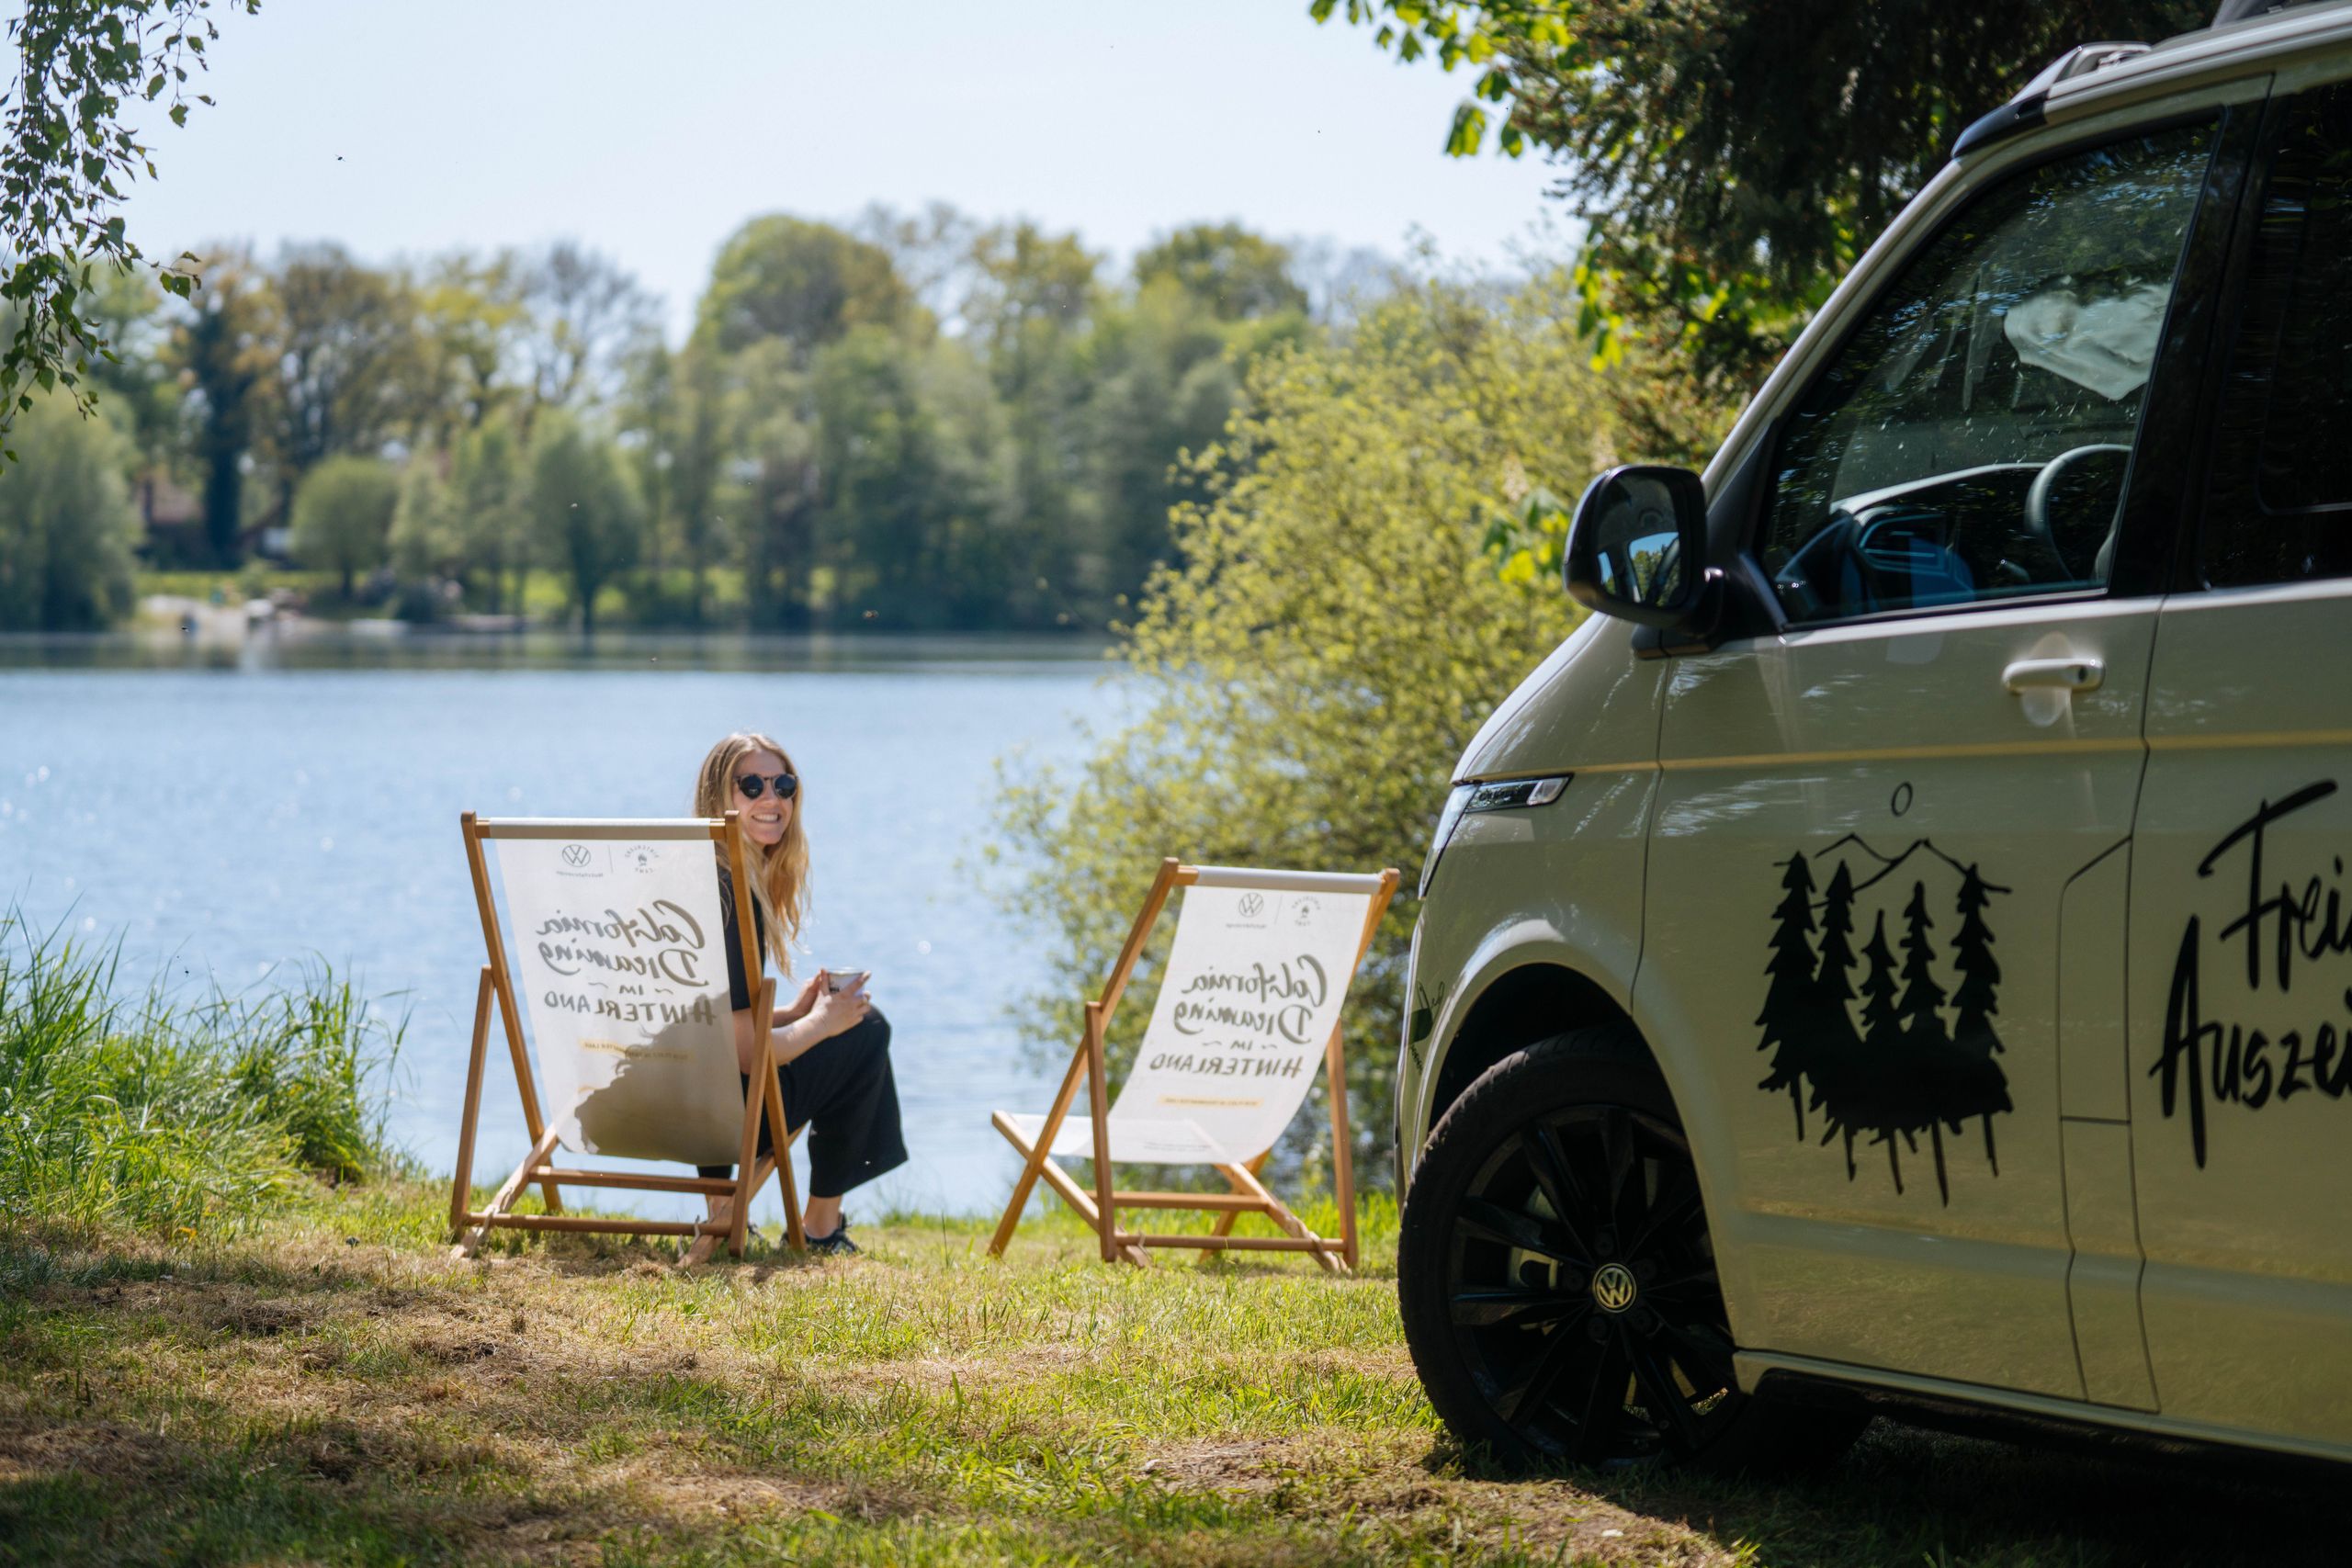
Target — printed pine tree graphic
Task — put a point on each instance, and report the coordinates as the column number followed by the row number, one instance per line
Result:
column 1882, row 1045
column 1835, row 1052
column 1923, row 1039
column 1983, row 1088
column 1789, row 1007
column 1909, row 1063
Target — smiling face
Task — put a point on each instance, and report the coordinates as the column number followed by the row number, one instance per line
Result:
column 765, row 820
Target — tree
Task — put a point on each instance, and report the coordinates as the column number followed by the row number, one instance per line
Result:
column 224, row 349
column 1789, row 999
column 803, row 283
column 586, row 317
column 350, row 371
column 343, row 515
column 486, row 496
column 68, row 158
column 1033, row 295
column 426, row 541
column 1291, row 640
column 1732, row 159
column 775, row 480
column 583, row 517
column 884, row 498
column 67, row 526
column 471, row 317
column 1236, row 274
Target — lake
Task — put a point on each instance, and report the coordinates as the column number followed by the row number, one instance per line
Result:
column 234, row 810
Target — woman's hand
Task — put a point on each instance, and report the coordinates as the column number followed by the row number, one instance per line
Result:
column 801, row 1003
column 834, row 1012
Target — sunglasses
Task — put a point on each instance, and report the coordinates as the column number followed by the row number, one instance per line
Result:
column 754, row 785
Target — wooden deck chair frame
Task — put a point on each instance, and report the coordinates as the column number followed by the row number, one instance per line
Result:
column 469, row 1225
column 1248, row 1195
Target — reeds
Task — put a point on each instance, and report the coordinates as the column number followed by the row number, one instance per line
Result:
column 169, row 1115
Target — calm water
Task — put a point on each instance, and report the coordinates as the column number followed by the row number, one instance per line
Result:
column 234, row 810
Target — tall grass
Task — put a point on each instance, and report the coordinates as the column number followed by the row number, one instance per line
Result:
column 168, row 1116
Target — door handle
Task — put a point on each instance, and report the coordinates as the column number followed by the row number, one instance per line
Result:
column 2077, row 674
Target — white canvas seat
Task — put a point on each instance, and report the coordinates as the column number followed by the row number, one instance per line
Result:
column 619, row 960
column 1249, row 1009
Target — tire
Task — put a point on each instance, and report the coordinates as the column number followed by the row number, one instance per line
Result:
column 1558, row 1284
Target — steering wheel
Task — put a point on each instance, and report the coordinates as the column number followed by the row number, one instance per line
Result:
column 2045, row 486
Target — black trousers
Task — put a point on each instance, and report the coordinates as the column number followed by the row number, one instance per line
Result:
column 843, row 1092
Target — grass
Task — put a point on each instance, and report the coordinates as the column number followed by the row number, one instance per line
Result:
column 170, row 1114
column 308, row 1377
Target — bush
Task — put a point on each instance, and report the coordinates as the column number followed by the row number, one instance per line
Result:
column 170, row 1118
column 1338, row 628
column 67, row 527
column 343, row 516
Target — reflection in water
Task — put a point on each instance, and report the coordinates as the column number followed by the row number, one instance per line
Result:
column 383, row 645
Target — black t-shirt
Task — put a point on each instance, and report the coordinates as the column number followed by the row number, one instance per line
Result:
column 739, row 986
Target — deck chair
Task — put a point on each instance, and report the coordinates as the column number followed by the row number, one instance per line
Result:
column 616, row 952
column 1249, row 999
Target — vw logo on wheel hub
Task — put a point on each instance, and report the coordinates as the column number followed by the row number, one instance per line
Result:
column 1614, row 1288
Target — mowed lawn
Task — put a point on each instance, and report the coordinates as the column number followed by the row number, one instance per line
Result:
column 330, row 1388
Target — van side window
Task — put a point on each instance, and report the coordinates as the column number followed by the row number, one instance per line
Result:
column 1968, row 440
column 2281, row 505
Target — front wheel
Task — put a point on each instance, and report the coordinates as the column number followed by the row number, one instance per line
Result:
column 1557, row 1279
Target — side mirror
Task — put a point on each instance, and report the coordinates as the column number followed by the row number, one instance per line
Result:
column 1637, row 549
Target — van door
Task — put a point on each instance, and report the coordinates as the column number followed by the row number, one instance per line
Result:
column 1877, row 830
column 2241, row 973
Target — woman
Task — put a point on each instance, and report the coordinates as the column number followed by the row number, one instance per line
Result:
column 832, row 1050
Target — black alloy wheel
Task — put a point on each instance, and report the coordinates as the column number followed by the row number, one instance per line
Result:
column 1558, row 1282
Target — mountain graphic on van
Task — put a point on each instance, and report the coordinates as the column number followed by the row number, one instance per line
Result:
column 1872, row 1041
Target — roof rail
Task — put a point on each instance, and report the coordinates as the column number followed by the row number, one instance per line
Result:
column 2024, row 111
column 2244, row 10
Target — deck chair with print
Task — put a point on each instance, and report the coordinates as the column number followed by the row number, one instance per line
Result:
column 1248, row 1007
column 617, row 958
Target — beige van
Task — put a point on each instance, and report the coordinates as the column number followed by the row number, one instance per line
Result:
column 1897, row 955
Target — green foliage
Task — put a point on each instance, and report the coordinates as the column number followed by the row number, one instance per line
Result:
column 823, row 443
column 224, row 349
column 343, row 516
column 1335, row 633
column 1236, row 273
column 486, row 496
column 67, row 526
column 347, row 356
column 68, row 159
column 425, row 540
column 168, row 1115
column 1734, row 159
column 584, row 516
column 803, row 283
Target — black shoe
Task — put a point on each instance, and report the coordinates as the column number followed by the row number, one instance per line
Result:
column 836, row 1245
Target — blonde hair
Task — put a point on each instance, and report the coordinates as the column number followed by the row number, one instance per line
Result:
column 780, row 875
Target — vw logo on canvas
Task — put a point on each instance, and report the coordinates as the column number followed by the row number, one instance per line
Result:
column 575, row 855
column 1614, row 1288
column 1252, row 905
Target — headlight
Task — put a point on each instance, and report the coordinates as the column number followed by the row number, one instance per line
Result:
column 1504, row 794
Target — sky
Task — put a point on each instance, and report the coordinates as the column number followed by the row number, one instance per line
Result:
column 650, row 132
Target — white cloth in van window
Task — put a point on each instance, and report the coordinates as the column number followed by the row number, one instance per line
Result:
column 2106, row 343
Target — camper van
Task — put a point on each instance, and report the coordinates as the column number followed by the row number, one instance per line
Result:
column 1896, row 956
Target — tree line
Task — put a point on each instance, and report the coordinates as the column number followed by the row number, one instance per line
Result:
column 912, row 421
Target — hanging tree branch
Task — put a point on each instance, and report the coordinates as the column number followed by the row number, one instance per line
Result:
column 70, row 157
